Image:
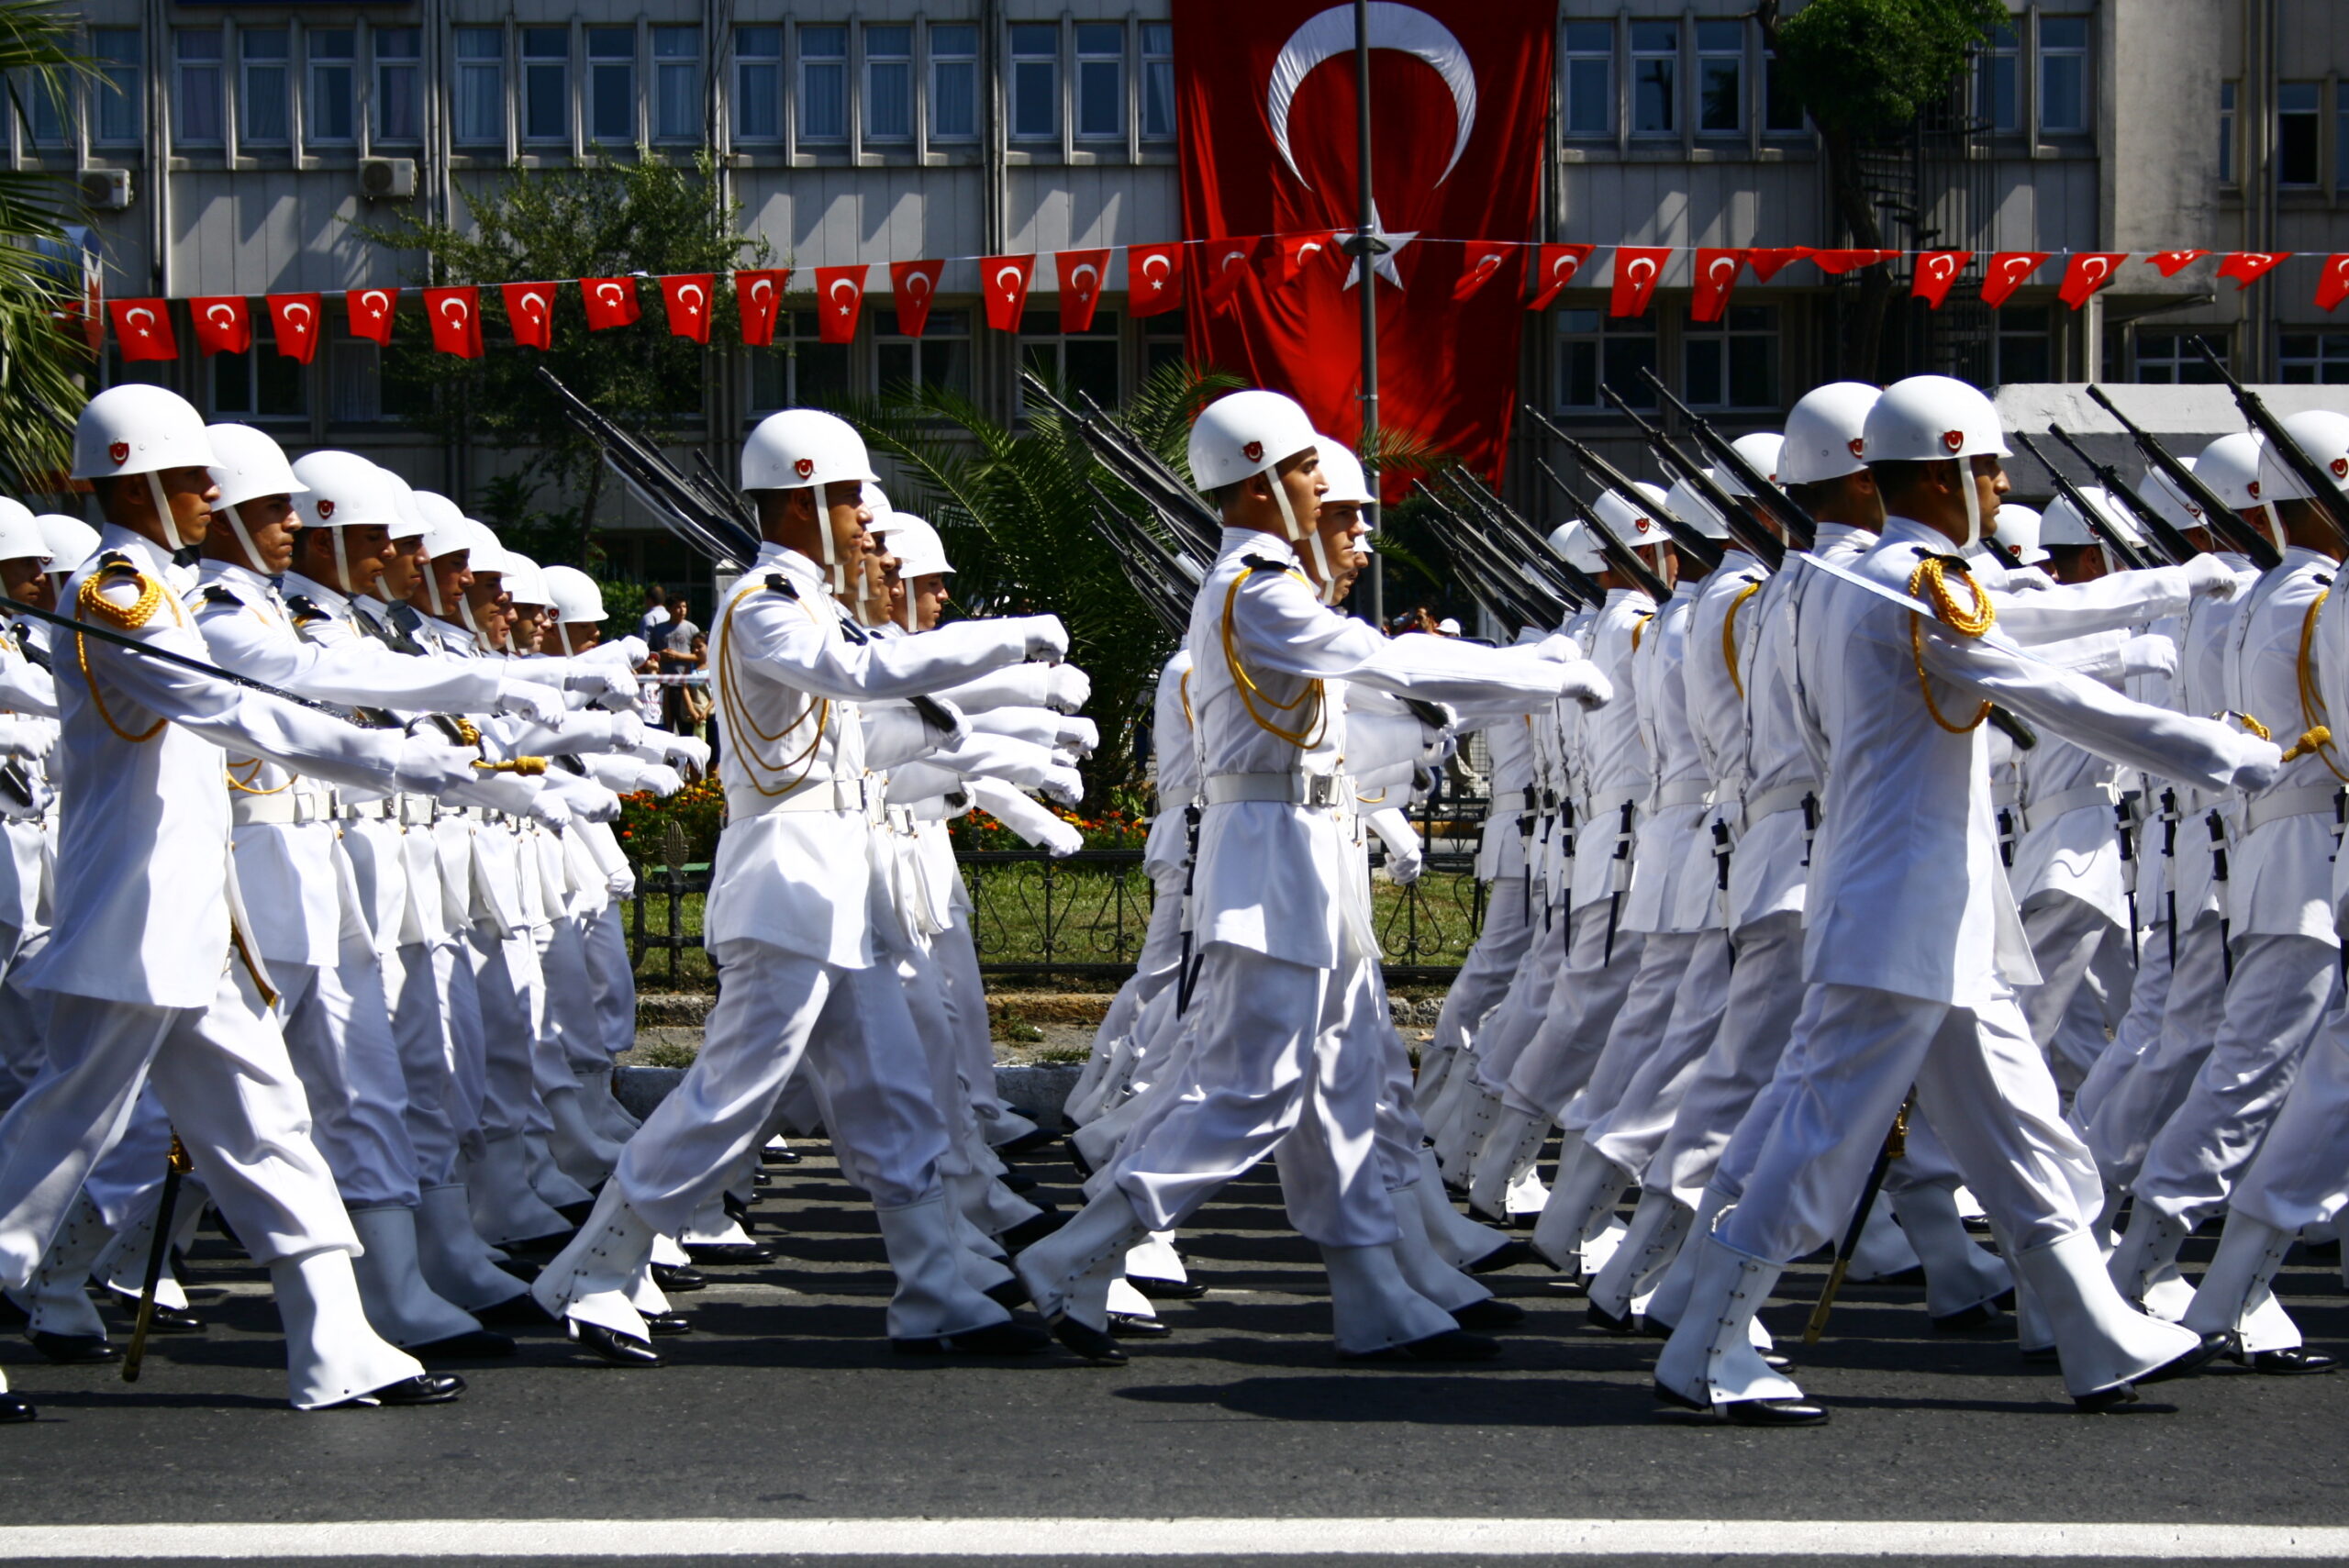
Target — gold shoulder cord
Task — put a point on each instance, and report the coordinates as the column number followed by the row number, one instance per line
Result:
column 129, row 618
column 245, row 785
column 2318, row 739
column 1639, row 629
column 1250, row 691
column 1183, row 690
column 1929, row 583
column 740, row 729
column 1729, row 633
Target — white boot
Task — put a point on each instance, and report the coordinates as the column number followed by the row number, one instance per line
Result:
column 598, row 1098
column 1588, row 1187
column 1964, row 1280
column 1068, row 1273
column 1710, row 1360
column 58, row 1297
column 1451, row 1102
column 1884, row 1251
column 1659, row 1225
column 933, row 1300
column 1434, row 1072
column 1373, row 1308
column 1154, row 1259
column 1129, row 1306
column 581, row 1152
column 1510, row 1149
column 1458, row 1239
column 1669, row 1301
column 455, row 1261
column 333, row 1354
column 504, row 1206
column 2149, row 1251
column 400, row 1306
column 1465, row 1135
column 1423, row 1270
column 603, row 1277
column 2104, row 1343
column 559, row 1190
column 2235, row 1298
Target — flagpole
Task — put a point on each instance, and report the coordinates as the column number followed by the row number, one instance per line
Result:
column 1363, row 257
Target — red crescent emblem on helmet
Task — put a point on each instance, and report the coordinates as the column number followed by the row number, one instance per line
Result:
column 1254, row 451
column 1639, row 524
column 2341, row 468
column 804, row 467
column 120, row 452
column 1856, row 444
column 1953, row 440
column 2255, row 489
column 325, row 509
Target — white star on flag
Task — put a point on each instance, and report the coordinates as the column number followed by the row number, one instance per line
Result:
column 1384, row 262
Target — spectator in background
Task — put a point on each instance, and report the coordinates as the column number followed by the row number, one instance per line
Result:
column 683, row 650
column 654, row 625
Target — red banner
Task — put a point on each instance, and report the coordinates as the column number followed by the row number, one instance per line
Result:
column 1936, row 269
column 1267, row 98
column 2086, row 272
column 2006, row 272
column 1080, row 278
column 1224, row 264
column 1637, row 268
column 370, row 312
column 142, row 328
column 1715, row 274
column 2247, row 267
column 295, row 318
column 2169, row 263
column 222, row 326
column 1553, row 268
column 1835, row 263
column 840, row 296
column 611, row 302
column 757, row 293
column 1003, row 284
column 455, row 315
column 1479, row 264
column 529, row 310
column 1288, row 257
column 687, row 298
column 2333, row 286
column 913, row 286
column 1153, row 279
column 1769, row 263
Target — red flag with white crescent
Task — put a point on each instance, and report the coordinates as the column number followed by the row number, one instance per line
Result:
column 610, row 302
column 1835, row 263
column 686, row 297
column 529, row 310
column 2006, row 272
column 1267, row 100
column 1715, row 274
column 370, row 312
column 1285, row 258
column 1637, row 268
column 2333, row 283
column 2169, row 263
column 1936, row 269
column 1080, row 275
column 295, row 318
column 1554, row 268
column 1769, row 262
column 1224, row 264
column 142, row 328
column 1003, row 284
column 913, row 287
column 758, row 294
column 222, row 325
column 1153, row 279
column 455, row 315
column 2247, row 267
column 2086, row 272
column 840, row 296
column 1480, row 264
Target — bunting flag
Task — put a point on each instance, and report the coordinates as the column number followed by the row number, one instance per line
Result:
column 840, row 295
column 455, row 316
column 1715, row 274
column 1224, row 264
column 1003, row 284
column 1285, row 260
column 611, row 302
column 2247, row 267
column 687, row 296
column 1080, row 280
column 1936, row 269
column 529, row 310
column 1769, row 263
column 1835, row 263
column 222, row 326
column 2333, row 286
column 2006, row 272
column 1479, row 264
column 1552, row 269
column 142, row 328
column 295, row 318
column 1637, row 268
column 758, row 294
column 370, row 312
column 1153, row 279
column 912, row 286
column 2088, row 271
column 2169, row 263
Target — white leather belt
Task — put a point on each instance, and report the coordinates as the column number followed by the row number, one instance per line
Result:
column 2040, row 811
column 419, row 810
column 2003, row 796
column 901, row 819
column 385, row 810
column 280, row 808
column 853, row 797
column 1770, row 802
column 1682, row 792
column 1313, row 791
column 2278, row 803
column 1606, row 810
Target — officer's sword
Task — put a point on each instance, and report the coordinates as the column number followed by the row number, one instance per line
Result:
column 1896, row 1143
column 176, row 1165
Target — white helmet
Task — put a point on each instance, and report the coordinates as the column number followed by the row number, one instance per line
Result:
column 1928, row 418
column 1684, row 504
column 412, row 522
column 2018, row 528
column 2321, row 434
column 138, row 428
column 446, row 531
column 1826, row 433
column 488, row 555
column 881, row 517
column 20, row 536
column 1240, row 436
column 573, row 595
column 70, row 542
column 1344, row 470
column 919, row 551
column 2162, row 495
column 525, row 580
column 343, row 489
column 1632, row 521
column 2230, row 466
column 803, row 447
column 1578, row 547
column 2061, row 522
column 247, row 464
column 1763, row 449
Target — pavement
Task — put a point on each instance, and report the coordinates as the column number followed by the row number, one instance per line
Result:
column 785, row 1427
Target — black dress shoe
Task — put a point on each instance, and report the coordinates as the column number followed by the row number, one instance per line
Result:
column 738, row 1211
column 15, row 1409
column 165, row 1319
column 1027, row 1142
column 2005, row 1300
column 2194, row 1361
column 1134, row 1326
column 1018, row 1183
column 1011, row 1295
column 1032, row 1229
column 479, row 1345
column 2320, row 1254
column 1598, row 1318
column 667, row 1323
column 1094, row 1344
column 620, row 1350
column 1012, row 1338
column 1912, row 1275
column 679, row 1279
column 1489, row 1314
column 779, row 1156
column 13, row 1316
column 1077, row 1159
column 545, row 1246
column 1166, row 1289
column 1507, row 1255
column 75, row 1350
column 760, row 1181
column 521, row 1311
column 2041, row 1355
column 424, row 1388
column 1749, row 1412
column 721, row 1253
column 2293, row 1362
column 578, row 1213
column 1981, row 1315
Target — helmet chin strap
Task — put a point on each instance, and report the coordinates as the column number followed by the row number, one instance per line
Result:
column 2274, row 523
column 1297, row 535
column 163, row 510
column 834, row 573
column 1973, row 502
column 432, row 590
column 244, row 537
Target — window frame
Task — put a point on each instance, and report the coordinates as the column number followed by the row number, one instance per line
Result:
column 217, row 66
column 948, row 325
column 1151, row 63
column 260, row 359
column 1119, row 94
column 1611, row 95
column 803, row 65
column 248, row 93
column 131, row 100
column 1014, row 64
column 869, row 94
column 315, row 64
column 1566, row 332
column 1109, row 327
column 2331, row 351
column 1674, row 84
column 776, row 67
column 378, row 67
column 2314, row 115
column 597, row 69
column 2046, row 54
column 566, row 95
column 2002, row 53
column 1698, row 83
column 661, row 70
column 507, row 115
column 2231, row 132
column 799, row 330
column 1763, row 322
column 2176, row 357
column 934, row 61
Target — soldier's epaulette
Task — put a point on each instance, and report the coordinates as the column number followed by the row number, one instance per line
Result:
column 115, row 568
column 778, row 583
column 304, row 610
column 1259, row 563
column 220, row 594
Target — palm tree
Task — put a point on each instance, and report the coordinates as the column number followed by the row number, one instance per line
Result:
column 45, row 354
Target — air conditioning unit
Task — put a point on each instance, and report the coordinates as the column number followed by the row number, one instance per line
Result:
column 381, row 179
column 106, row 190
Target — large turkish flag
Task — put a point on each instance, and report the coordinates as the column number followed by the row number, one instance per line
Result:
column 1459, row 90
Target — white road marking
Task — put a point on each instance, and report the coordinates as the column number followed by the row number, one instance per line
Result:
column 975, row 1538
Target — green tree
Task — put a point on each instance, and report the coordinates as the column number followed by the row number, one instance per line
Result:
column 1865, row 70
column 45, row 353
column 648, row 216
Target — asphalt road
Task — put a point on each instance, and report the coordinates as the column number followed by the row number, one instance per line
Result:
column 784, row 1403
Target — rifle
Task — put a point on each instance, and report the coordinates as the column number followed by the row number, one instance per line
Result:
column 1896, row 1144
column 1619, row 556
column 710, row 521
column 1755, row 540
column 1766, row 492
column 2222, row 519
column 1705, row 552
column 1137, row 552
column 1182, row 509
column 1572, row 584
column 1505, row 594
column 2089, row 516
column 2323, row 494
column 2160, row 529
column 176, row 1165
column 164, row 655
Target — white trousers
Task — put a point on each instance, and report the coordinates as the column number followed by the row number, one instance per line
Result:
column 1765, row 991
column 611, row 978
column 20, row 1013
column 2122, row 1124
column 2067, row 935
column 1510, row 1027
column 339, row 1035
column 1630, row 1132
column 571, row 1040
column 1639, row 1024
column 1591, row 989
column 509, row 992
column 2301, row 1175
column 1491, row 965
column 2139, row 1027
column 440, row 1054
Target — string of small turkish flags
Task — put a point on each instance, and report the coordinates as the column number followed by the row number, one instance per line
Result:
column 1157, row 277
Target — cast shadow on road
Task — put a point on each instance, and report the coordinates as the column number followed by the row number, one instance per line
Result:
column 1435, row 1398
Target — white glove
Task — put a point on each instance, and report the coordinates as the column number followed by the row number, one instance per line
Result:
column 662, row 781
column 2265, row 766
column 1081, row 735
column 1584, row 683
column 1063, row 785
column 597, row 684
column 2031, row 579
column 1059, row 838
column 628, row 731
column 547, row 809
column 31, row 737
column 678, row 750
column 630, row 650
column 1403, row 870
column 586, row 800
column 428, row 764
column 1046, row 637
column 2208, row 575
column 1558, row 648
column 2150, row 655
column 1070, row 688
column 539, row 704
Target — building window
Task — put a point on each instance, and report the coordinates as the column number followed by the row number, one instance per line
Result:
column 2064, row 73
column 2296, row 133
column 2227, row 91
column 1781, row 111
column 2314, row 358
column 1590, row 78
column 1158, row 81
column 327, row 112
column 889, row 83
column 1162, row 343
column 2026, row 346
column 1035, row 80
column 354, row 381
column 1998, row 82
column 399, row 83
column 45, row 114
column 611, row 85
column 1655, row 78
column 122, row 85
column 953, row 82
column 1595, row 349
column 546, row 84
column 677, row 84
column 1101, row 80
column 1732, row 363
column 1082, row 362
column 480, row 109
column 2168, row 358
column 939, row 358
column 823, row 83
column 1720, row 77
column 758, row 83
column 798, row 371
column 261, row 90
column 261, row 383
column 198, row 95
